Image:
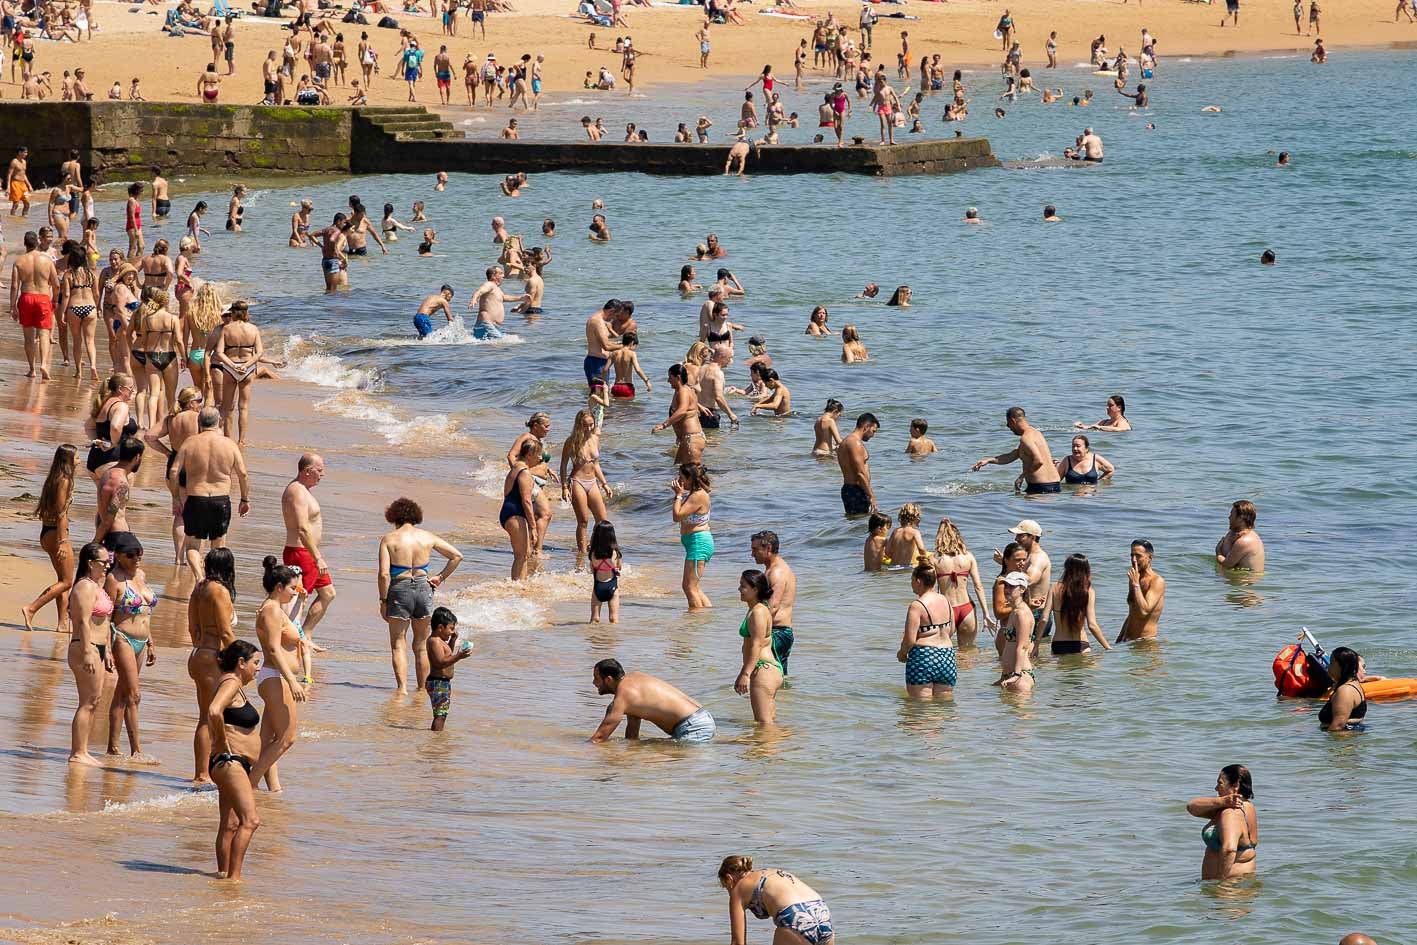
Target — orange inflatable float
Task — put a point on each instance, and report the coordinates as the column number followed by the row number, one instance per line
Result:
column 1299, row 673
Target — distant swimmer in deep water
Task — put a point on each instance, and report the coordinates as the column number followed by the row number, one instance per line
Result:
column 1116, row 419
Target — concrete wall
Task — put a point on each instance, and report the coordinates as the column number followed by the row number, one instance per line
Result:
column 124, row 140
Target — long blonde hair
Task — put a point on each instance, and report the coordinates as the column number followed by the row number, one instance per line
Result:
column 154, row 301
column 205, row 308
column 580, row 433
column 948, row 540
column 110, row 388
column 698, row 353
column 58, row 489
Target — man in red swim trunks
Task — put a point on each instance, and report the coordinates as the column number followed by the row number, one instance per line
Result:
column 303, row 530
column 32, row 286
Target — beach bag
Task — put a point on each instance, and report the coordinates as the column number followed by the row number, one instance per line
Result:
column 388, row 23
column 1300, row 674
column 354, row 16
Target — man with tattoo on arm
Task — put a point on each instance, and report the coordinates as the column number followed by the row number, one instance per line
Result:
column 111, row 522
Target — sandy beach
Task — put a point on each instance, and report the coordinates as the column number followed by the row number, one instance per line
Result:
column 130, row 42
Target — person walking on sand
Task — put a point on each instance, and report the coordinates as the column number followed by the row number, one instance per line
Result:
column 304, row 529
column 200, row 477
column 33, row 284
column 639, row 697
column 52, row 511
column 1039, row 470
column 857, row 496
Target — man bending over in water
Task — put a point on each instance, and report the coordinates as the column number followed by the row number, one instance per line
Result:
column 423, row 321
column 640, row 696
column 1038, row 468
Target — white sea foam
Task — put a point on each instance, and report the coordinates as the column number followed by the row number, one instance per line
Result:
column 487, row 480
column 497, row 608
column 431, row 428
column 454, row 332
column 306, row 362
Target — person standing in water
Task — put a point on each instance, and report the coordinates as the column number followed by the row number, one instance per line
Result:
column 1240, row 548
column 304, row 529
column 684, row 417
column 1232, row 830
column 1075, row 605
column 764, row 548
column 1039, row 470
column 1015, row 657
column 857, row 496
column 795, row 908
column 1146, row 596
column 445, row 651
column 691, row 511
column 1116, row 419
column 956, row 568
column 927, row 647
column 438, row 301
column 762, row 674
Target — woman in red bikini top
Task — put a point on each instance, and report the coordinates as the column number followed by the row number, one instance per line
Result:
column 958, row 569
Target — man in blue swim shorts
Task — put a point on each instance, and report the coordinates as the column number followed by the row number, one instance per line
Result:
column 640, row 696
column 423, row 321
column 490, row 305
column 597, row 341
column 1039, row 470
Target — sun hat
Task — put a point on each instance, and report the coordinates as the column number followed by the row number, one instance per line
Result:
column 1016, row 579
column 1028, row 527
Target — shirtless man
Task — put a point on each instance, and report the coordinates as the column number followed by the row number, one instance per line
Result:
column 1089, row 147
column 33, row 285
column 713, row 387
column 491, row 306
column 1039, row 568
column 162, row 203
column 784, row 592
column 439, row 300
column 111, row 518
column 1039, row 470
column 17, row 183
column 303, row 530
column 1241, row 549
column 597, row 341
column 684, row 418
column 1146, row 596
column 272, row 79
column 857, row 497
column 201, row 477
column 640, row 696
column 334, row 263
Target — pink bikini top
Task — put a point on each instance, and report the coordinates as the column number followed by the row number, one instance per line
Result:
column 103, row 604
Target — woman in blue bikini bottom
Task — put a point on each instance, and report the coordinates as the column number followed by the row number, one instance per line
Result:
column 792, row 904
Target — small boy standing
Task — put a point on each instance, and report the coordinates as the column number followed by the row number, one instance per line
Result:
column 444, row 652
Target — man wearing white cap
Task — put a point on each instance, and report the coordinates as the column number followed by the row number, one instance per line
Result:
column 1039, row 471
column 1038, row 567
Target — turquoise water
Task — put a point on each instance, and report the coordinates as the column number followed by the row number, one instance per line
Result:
column 1057, row 817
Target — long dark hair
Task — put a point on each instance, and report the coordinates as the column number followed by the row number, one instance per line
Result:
column 1345, row 661
column 1077, row 581
column 1239, row 777
column 235, row 652
column 58, row 485
column 220, row 566
column 1009, row 550
column 758, row 581
column 87, row 554
column 277, row 574
column 602, row 541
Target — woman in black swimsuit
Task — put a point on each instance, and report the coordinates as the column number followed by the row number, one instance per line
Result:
column 161, row 341
column 1074, row 603
column 81, row 309
column 236, row 743
column 1348, row 705
column 112, row 420
column 1083, row 466
column 211, row 627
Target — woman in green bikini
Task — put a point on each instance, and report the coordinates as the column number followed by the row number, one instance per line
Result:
column 762, row 674
column 131, row 641
column 1232, row 830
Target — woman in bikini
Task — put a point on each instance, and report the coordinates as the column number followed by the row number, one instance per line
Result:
column 1074, row 605
column 927, row 646
column 199, row 326
column 800, row 915
column 109, row 422
column 300, row 225
column 160, row 340
column 238, row 356
column 958, row 570
column 125, row 291
column 406, row 587
column 177, row 426
column 182, row 283
column 235, row 743
column 211, row 622
column 853, row 349
column 53, row 514
column 538, row 428
column 1016, row 672
column 133, row 648
column 278, row 682
column 156, row 268
column 81, row 310
column 817, row 323
column 89, row 656
column 827, row 433
column 209, row 84
column 517, row 515
column 691, row 510
column 585, row 486
column 761, row 675
column 1232, row 830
